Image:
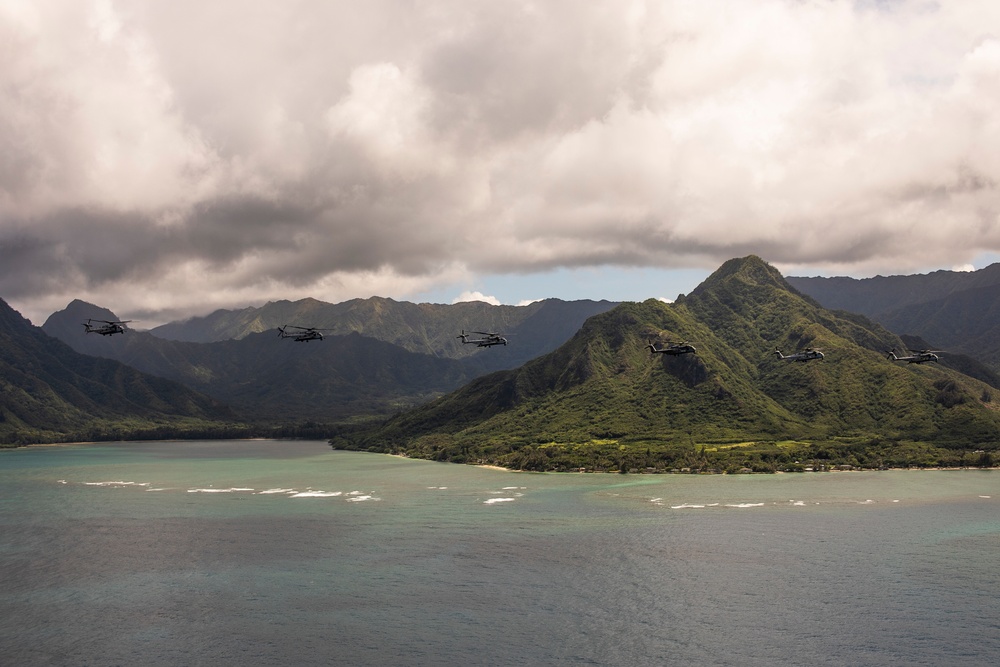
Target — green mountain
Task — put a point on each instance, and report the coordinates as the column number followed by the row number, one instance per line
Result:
column 50, row 393
column 602, row 401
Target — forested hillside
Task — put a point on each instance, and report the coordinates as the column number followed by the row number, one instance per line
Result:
column 601, row 400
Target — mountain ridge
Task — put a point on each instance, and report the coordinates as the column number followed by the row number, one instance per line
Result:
column 957, row 311
column 362, row 367
column 418, row 327
column 879, row 294
column 601, row 390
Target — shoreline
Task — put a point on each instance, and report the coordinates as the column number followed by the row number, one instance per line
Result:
column 109, row 442
column 714, row 474
column 492, row 466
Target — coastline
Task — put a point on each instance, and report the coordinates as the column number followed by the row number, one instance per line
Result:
column 579, row 471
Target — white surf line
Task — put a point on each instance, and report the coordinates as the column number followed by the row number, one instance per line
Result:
column 118, row 483
column 214, row 490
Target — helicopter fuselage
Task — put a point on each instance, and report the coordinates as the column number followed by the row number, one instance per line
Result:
column 108, row 328
column 805, row 355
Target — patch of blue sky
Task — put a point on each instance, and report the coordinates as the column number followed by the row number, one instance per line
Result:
column 572, row 284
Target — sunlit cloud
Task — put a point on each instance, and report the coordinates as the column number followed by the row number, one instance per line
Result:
column 476, row 296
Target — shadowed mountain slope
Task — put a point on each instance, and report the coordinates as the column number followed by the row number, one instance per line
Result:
column 957, row 311
column 424, row 328
column 881, row 294
column 279, row 379
column 49, row 392
column 344, row 374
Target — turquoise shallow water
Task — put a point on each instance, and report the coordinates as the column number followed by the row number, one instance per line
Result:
column 277, row 553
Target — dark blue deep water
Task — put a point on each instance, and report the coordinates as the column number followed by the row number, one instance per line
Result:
column 288, row 553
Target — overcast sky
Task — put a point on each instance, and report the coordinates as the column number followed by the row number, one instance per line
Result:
column 164, row 159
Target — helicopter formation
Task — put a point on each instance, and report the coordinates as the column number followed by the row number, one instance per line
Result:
column 676, row 349
column 488, row 339
column 297, row 333
column 808, row 354
column 671, row 348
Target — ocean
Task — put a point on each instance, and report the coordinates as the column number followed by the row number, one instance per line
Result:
column 290, row 553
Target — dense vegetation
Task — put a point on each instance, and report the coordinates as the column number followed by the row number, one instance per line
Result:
column 601, row 402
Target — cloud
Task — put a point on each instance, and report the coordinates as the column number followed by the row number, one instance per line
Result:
column 169, row 156
column 476, row 296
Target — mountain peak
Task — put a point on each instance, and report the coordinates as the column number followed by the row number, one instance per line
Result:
column 68, row 320
column 750, row 269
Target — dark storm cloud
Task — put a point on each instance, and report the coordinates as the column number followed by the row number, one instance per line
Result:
column 189, row 155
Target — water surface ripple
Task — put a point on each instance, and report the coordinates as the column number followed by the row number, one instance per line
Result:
column 277, row 553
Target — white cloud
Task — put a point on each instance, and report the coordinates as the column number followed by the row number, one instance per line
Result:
column 476, row 296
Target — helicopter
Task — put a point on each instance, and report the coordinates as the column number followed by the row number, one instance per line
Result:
column 490, row 340
column 918, row 356
column 672, row 349
column 303, row 335
column 107, row 328
column 807, row 354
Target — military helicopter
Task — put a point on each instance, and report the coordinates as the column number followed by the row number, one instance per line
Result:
column 302, row 335
column 107, row 328
column 490, row 340
column 918, row 356
column 672, row 349
column 807, row 354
